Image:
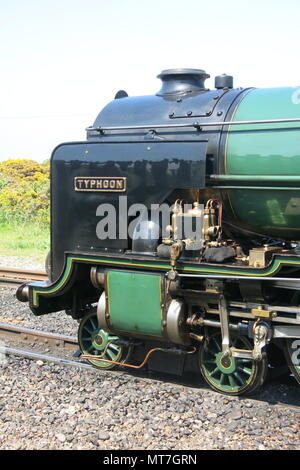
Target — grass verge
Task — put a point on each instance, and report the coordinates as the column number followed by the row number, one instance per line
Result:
column 24, row 240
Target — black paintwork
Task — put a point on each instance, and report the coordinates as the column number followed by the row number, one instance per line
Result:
column 153, row 171
column 155, row 163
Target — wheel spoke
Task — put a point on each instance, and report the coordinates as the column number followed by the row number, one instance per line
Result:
column 239, row 378
column 214, row 371
column 112, row 338
column 222, row 379
column 245, row 361
column 232, row 381
column 245, row 370
column 86, row 338
column 217, row 344
column 86, row 328
column 111, row 354
column 94, row 324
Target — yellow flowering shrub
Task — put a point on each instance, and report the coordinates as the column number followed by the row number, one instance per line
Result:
column 24, row 192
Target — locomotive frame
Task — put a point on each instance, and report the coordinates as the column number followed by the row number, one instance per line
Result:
column 225, row 298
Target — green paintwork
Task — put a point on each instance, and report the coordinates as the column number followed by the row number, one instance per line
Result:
column 263, row 151
column 135, row 302
column 272, row 211
column 95, row 341
column 259, row 178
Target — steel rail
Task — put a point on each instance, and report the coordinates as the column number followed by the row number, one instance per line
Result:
column 37, row 356
column 26, row 334
column 13, row 277
column 23, row 274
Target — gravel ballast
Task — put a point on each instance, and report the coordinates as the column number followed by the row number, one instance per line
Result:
column 48, row 406
column 18, row 313
column 22, row 262
column 52, row 407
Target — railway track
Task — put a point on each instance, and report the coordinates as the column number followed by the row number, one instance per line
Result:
column 34, row 341
column 26, row 335
column 43, row 357
column 15, row 277
column 63, row 348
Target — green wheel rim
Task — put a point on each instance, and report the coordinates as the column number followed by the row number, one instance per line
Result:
column 94, row 341
column 292, row 352
column 230, row 375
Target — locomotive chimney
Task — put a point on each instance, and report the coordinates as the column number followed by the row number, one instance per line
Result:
column 181, row 81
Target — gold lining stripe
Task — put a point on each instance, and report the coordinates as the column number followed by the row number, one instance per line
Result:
column 201, row 270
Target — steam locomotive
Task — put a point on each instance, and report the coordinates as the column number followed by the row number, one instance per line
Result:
column 175, row 232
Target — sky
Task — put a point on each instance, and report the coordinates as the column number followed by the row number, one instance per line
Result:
column 62, row 61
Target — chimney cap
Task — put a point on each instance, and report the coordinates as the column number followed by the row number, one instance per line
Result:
column 181, row 81
column 184, row 71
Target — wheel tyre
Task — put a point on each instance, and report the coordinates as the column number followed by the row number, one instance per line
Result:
column 261, row 375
